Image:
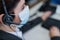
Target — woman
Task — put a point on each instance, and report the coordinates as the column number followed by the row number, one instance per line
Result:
column 19, row 12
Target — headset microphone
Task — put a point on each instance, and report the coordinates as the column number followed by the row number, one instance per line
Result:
column 7, row 19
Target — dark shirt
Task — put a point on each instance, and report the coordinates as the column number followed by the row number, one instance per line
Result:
column 8, row 36
column 55, row 38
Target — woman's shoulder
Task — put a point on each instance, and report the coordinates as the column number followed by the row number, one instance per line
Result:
column 1, row 35
column 7, row 36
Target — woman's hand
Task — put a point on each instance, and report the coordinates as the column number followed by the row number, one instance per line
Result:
column 46, row 15
column 54, row 32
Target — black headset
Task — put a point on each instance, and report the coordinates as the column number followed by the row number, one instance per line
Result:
column 7, row 19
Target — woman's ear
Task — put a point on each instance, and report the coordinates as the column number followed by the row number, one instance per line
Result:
column 1, row 18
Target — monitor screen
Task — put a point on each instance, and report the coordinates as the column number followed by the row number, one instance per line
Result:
column 55, row 2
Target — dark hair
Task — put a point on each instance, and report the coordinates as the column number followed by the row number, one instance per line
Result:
column 10, row 4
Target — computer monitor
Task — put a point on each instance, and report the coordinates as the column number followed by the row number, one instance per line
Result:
column 55, row 2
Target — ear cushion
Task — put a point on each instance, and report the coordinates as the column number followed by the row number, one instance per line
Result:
column 7, row 19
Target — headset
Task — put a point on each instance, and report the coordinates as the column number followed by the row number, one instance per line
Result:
column 7, row 18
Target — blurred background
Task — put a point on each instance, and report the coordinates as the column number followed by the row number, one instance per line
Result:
column 33, row 29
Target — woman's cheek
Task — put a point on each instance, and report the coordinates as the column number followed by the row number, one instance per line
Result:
column 16, row 19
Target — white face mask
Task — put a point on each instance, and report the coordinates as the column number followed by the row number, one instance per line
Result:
column 24, row 16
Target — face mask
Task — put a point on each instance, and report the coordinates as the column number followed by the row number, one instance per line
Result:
column 24, row 16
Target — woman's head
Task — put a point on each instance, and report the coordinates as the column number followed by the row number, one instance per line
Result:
column 13, row 7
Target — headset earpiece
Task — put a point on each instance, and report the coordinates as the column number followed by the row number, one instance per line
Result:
column 7, row 18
